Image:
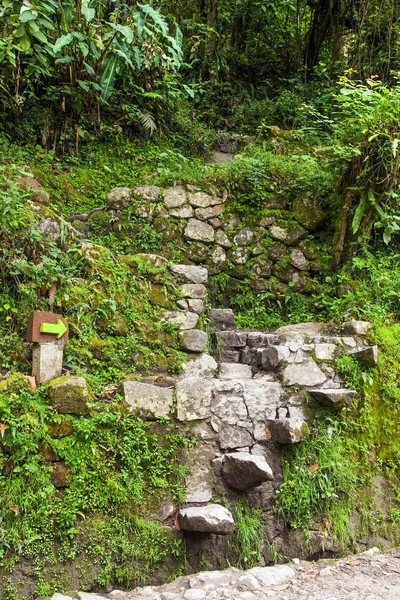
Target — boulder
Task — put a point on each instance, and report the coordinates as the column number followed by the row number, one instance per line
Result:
column 70, row 395
column 190, row 273
column 308, row 212
column 325, row 351
column 212, row 518
column 367, row 356
column 304, row 374
column 356, row 327
column 38, row 192
column 203, row 200
column 288, row 235
column 197, row 252
column 149, row 193
column 273, row 576
column 181, row 320
column 218, row 256
column 235, row 371
column 274, row 357
column 222, row 239
column 244, row 237
column 194, row 290
column 298, row 260
column 182, row 212
column 243, row 471
column 335, row 399
column 288, row 431
column 203, row 366
column 196, row 306
column 175, row 197
column 193, row 340
column 193, row 395
column 230, row 339
column 147, row 401
column 198, row 230
column 209, row 213
column 119, row 198
column 222, row 319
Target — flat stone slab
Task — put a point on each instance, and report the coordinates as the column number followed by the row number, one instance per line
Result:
column 190, row 273
column 175, row 197
column 335, row 399
column 193, row 396
column 235, row 371
column 146, row 400
column 305, row 374
column 212, row 518
column 311, row 329
column 204, row 366
column 243, row 471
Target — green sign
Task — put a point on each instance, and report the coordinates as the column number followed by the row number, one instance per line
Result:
column 57, row 329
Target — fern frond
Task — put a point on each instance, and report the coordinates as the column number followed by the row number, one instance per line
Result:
column 147, row 122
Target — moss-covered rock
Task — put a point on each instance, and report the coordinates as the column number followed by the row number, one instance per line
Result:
column 115, row 325
column 61, row 428
column 70, row 395
column 308, row 212
column 197, row 252
column 13, row 384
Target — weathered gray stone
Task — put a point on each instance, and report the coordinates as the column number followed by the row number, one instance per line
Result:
column 194, row 290
column 234, row 436
column 60, row 597
column 146, row 192
column 210, row 212
column 235, row 371
column 218, row 256
column 309, row 329
column 222, row 239
column 305, row 374
column 193, row 340
column 231, row 339
column 183, row 304
column 257, row 250
column 216, row 223
column 204, row 366
column 251, row 356
column 243, row 471
column 222, row 319
column 196, row 306
column 198, row 230
column 244, row 237
column 298, row 260
column 240, row 255
column 47, row 362
column 193, row 396
column 212, row 518
column 367, row 356
column 119, row 198
column 288, row 236
column 182, row 212
column 203, row 200
column 175, row 197
column 259, row 339
column 70, row 395
column 181, row 320
column 336, row 399
column 274, row 357
column 356, row 327
column 147, row 401
column 229, row 355
column 199, row 481
column 288, row 431
column 154, row 259
column 273, row 576
column 325, row 351
column 262, row 398
column 89, row 596
column 262, row 268
column 228, row 406
column 190, row 273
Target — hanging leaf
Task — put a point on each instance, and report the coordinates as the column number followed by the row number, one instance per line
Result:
column 108, row 77
column 358, row 215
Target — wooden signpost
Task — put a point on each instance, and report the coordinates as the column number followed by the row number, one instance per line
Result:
column 49, row 333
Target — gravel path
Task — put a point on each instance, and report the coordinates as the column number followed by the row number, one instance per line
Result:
column 367, row 576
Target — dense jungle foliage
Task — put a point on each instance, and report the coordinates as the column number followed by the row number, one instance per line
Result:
column 97, row 94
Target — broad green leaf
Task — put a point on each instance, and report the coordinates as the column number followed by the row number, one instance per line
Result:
column 125, row 30
column 40, row 36
column 108, row 77
column 24, row 44
column 27, row 15
column 358, row 215
column 155, row 16
column 62, row 41
column 88, row 13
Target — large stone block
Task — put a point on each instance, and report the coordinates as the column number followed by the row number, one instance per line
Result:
column 231, row 339
column 288, row 431
column 198, row 230
column 196, row 291
column 147, row 401
column 222, row 319
column 243, row 471
column 212, row 518
column 356, row 327
column 175, row 197
column 274, row 357
column 203, row 200
column 47, row 362
column 193, row 340
column 204, row 366
column 235, row 371
column 335, row 399
column 190, row 273
column 70, row 395
column 119, row 198
column 367, row 356
column 181, row 320
column 235, row 436
column 193, row 396
column 199, row 481
column 305, row 374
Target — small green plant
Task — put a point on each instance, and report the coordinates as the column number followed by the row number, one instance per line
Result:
column 246, row 543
